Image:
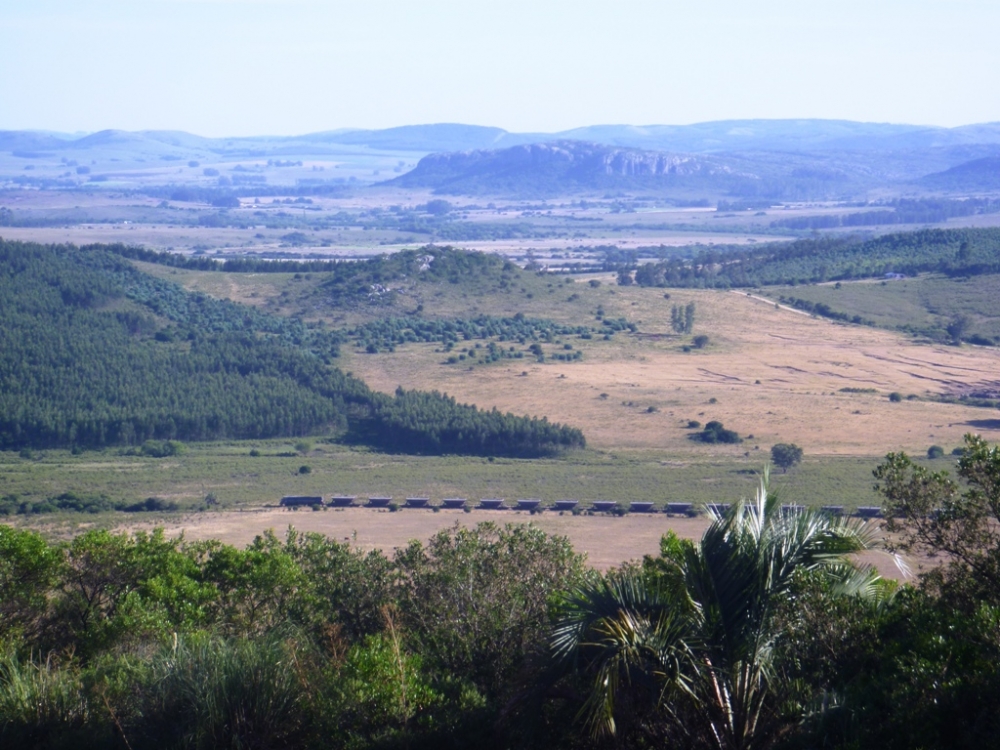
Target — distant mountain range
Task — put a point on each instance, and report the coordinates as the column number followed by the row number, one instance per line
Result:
column 783, row 159
column 724, row 135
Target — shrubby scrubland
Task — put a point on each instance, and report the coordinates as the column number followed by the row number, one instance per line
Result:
column 762, row 634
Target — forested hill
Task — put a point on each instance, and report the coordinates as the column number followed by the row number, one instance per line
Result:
column 956, row 252
column 347, row 283
column 95, row 353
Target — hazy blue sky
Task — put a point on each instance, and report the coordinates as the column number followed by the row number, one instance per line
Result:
column 242, row 67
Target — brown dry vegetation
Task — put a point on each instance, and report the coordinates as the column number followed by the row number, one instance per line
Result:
column 801, row 364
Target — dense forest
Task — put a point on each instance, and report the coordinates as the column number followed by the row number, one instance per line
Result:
column 955, row 252
column 418, row 422
column 96, row 353
column 762, row 634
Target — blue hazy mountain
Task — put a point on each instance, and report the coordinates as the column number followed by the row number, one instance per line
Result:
column 977, row 175
column 805, row 158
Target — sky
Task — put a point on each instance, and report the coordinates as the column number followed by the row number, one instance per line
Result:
column 283, row 67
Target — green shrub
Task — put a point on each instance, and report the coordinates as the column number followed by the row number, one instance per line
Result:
column 161, row 448
column 150, row 504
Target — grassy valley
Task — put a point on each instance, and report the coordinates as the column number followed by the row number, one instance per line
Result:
column 579, row 350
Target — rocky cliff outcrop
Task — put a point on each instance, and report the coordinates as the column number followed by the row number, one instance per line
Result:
column 562, row 166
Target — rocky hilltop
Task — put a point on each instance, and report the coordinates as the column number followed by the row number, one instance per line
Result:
column 555, row 167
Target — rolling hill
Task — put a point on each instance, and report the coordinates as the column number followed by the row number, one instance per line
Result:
column 975, row 175
column 95, row 353
column 542, row 169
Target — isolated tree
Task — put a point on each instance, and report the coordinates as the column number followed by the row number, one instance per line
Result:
column 715, row 432
column 438, row 207
column 677, row 319
column 689, row 317
column 785, row 455
column 958, row 327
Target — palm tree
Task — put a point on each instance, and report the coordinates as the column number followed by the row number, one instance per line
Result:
column 703, row 628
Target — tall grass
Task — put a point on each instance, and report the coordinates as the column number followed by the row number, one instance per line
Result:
column 237, row 694
column 41, row 704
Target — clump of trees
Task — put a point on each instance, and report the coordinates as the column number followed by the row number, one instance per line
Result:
column 387, row 333
column 715, row 432
column 682, row 318
column 140, row 641
column 419, row 422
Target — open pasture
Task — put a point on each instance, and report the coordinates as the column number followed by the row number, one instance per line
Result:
column 924, row 303
column 234, row 478
column 771, row 373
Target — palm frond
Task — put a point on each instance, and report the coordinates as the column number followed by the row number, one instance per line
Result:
column 619, row 631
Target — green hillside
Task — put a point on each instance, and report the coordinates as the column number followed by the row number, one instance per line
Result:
column 930, row 305
column 94, row 352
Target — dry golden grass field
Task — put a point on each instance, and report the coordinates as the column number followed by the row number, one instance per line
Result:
column 772, row 373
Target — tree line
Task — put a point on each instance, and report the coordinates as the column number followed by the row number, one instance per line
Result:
column 761, row 634
column 955, row 252
column 902, row 211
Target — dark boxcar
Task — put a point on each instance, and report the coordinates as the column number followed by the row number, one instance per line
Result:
column 290, row 501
